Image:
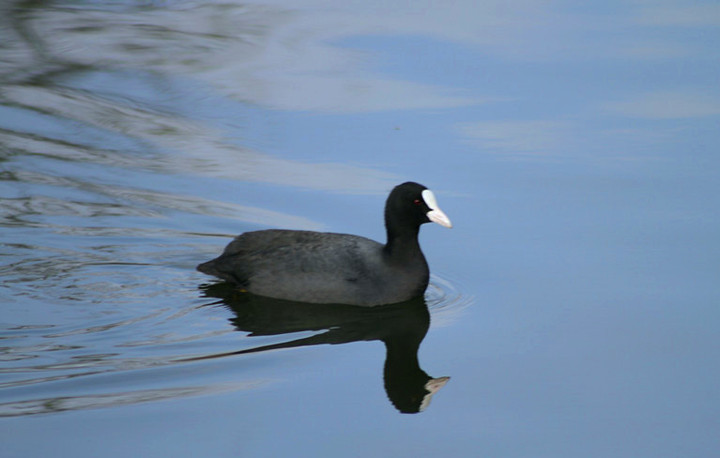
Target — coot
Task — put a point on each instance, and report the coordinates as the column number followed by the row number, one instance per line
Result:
column 330, row 268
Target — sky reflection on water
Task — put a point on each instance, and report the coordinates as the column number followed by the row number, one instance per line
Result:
column 574, row 304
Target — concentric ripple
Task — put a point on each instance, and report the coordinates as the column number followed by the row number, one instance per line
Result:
column 446, row 299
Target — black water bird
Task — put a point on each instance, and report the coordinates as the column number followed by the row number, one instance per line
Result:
column 324, row 268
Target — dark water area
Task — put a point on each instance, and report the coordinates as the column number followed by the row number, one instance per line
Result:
column 573, row 310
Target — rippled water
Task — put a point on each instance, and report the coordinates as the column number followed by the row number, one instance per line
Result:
column 123, row 335
column 573, row 306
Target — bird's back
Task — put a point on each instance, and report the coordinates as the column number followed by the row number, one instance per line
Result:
column 315, row 267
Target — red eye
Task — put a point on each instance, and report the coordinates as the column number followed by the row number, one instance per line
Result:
column 416, row 201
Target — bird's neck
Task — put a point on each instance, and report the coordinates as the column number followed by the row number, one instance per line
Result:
column 402, row 245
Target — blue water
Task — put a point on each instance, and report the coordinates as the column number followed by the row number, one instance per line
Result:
column 574, row 305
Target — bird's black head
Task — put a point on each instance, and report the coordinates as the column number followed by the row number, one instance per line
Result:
column 411, row 204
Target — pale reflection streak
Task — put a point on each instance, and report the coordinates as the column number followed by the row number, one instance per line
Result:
column 95, row 401
column 676, row 104
column 155, row 332
column 20, row 208
column 203, row 150
column 517, row 137
column 272, row 57
column 577, row 137
column 277, row 57
column 685, row 14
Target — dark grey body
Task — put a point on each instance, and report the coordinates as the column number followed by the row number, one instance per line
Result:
column 322, row 267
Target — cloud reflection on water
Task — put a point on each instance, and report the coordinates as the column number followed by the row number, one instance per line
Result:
column 279, row 56
column 667, row 105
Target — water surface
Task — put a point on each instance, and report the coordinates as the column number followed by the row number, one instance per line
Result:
column 574, row 306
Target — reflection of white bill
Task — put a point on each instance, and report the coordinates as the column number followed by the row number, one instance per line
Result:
column 432, row 386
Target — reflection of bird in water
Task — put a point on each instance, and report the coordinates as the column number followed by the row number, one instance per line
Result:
column 401, row 327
